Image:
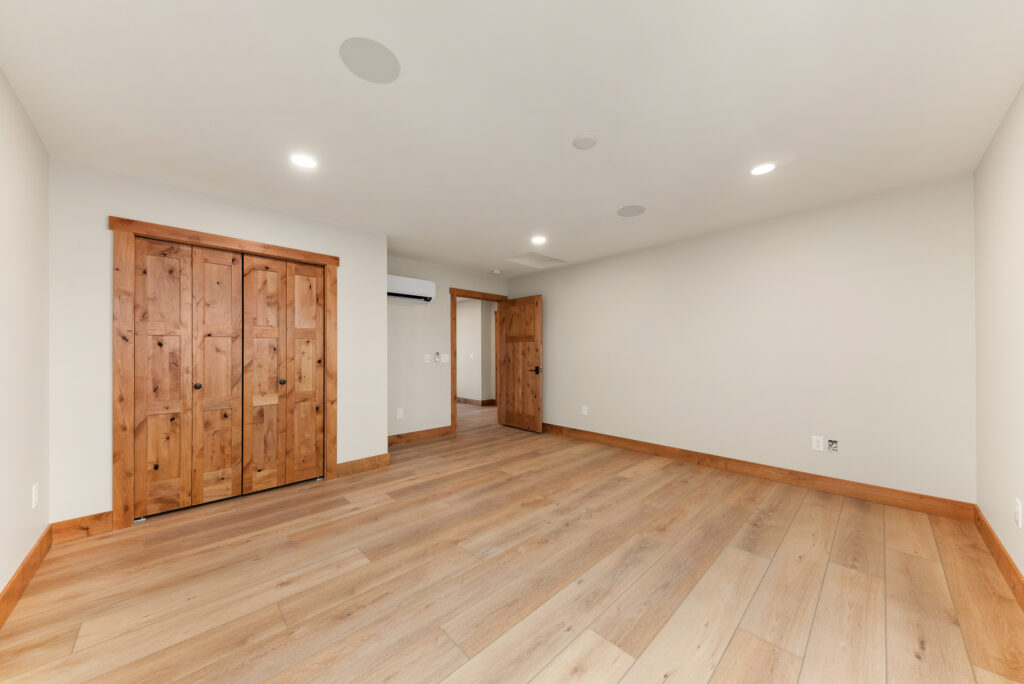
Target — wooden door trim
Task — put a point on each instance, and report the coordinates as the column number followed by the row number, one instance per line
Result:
column 198, row 239
column 455, row 293
column 123, row 344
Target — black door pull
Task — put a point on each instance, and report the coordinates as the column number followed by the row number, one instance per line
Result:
column 198, row 385
column 281, row 381
column 537, row 370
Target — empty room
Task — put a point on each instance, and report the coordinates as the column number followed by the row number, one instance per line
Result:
column 546, row 342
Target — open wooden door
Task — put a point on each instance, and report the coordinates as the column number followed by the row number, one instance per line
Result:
column 520, row 363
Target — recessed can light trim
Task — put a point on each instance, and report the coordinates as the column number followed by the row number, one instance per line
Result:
column 762, row 169
column 304, row 161
column 631, row 210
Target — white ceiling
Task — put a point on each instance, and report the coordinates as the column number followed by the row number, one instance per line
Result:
column 469, row 152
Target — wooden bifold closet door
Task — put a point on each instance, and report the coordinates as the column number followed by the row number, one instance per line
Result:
column 284, row 375
column 229, row 374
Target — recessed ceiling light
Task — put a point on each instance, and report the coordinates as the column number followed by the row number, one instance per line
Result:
column 762, row 169
column 369, row 60
column 584, row 142
column 538, row 239
column 303, row 160
column 631, row 210
column 496, row 271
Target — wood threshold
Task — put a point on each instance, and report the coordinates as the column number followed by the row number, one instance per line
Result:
column 23, row 575
column 477, row 402
column 948, row 508
column 194, row 237
column 419, row 435
column 362, row 465
column 455, row 293
column 1011, row 573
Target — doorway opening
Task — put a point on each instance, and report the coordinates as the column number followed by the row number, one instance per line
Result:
column 474, row 353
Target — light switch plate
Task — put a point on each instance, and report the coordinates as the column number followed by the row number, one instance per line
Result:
column 445, row 358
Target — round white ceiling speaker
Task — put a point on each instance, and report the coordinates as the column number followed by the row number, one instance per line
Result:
column 631, row 210
column 369, row 60
column 584, row 142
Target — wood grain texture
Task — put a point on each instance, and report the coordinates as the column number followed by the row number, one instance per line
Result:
column 847, row 641
column 85, row 526
column 590, row 659
column 860, row 537
column 362, row 465
column 923, row 638
column 858, row 490
column 909, row 532
column 19, row 582
column 520, row 363
column 123, row 345
column 750, row 660
column 689, row 646
column 304, row 444
column 194, row 237
column 498, row 554
column 330, row 372
column 419, row 435
column 783, row 609
column 217, row 373
column 264, row 352
column 1011, row 573
column 990, row 618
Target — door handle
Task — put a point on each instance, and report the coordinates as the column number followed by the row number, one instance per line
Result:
column 537, row 370
column 281, row 382
column 198, row 385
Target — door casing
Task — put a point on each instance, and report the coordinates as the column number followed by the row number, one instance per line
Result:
column 125, row 232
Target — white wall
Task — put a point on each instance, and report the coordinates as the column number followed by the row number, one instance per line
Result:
column 854, row 322
column 468, row 347
column 423, row 390
column 23, row 280
column 80, row 313
column 999, row 221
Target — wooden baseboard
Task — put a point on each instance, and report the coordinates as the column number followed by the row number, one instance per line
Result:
column 364, row 464
column 23, row 575
column 86, row 526
column 477, row 402
column 1011, row 573
column 419, row 435
column 948, row 508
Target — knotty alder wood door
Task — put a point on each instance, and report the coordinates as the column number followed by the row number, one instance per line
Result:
column 520, row 363
column 217, row 374
column 163, row 376
column 305, row 443
column 283, row 438
column 265, row 344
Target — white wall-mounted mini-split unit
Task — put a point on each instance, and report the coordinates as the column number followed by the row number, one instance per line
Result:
column 411, row 288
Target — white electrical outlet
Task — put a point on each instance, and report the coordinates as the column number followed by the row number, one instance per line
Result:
column 399, row 413
column 1017, row 515
column 472, row 356
column 426, row 358
column 817, row 443
column 584, row 410
column 444, row 358
column 35, row 496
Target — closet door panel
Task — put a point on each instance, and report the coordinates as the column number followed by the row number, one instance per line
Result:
column 264, row 346
column 305, row 324
column 163, row 376
column 217, row 376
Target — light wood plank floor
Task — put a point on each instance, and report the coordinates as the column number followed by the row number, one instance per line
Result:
column 504, row 556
